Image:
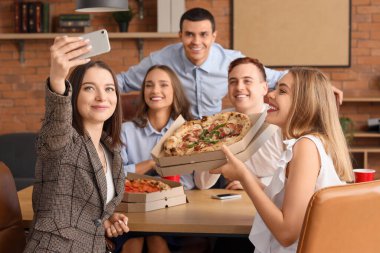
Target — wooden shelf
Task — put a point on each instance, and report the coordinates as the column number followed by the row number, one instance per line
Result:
column 365, row 150
column 364, row 153
column 361, row 99
column 126, row 35
column 139, row 36
column 366, row 135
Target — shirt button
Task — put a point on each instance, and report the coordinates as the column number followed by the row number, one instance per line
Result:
column 97, row 222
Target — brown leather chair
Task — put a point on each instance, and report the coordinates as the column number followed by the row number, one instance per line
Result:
column 129, row 104
column 12, row 236
column 343, row 219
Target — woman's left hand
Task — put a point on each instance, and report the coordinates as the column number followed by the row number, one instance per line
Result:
column 116, row 225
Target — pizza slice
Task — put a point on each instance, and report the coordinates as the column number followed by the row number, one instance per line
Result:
column 141, row 185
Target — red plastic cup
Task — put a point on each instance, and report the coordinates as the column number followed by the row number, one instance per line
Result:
column 364, row 175
column 176, row 178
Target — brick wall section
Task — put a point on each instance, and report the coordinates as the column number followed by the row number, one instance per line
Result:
column 22, row 85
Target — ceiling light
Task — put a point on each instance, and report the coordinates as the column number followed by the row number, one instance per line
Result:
column 101, row 5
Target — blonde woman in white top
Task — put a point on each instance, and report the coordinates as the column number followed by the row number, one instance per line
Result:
column 303, row 106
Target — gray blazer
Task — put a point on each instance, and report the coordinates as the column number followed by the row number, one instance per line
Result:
column 69, row 196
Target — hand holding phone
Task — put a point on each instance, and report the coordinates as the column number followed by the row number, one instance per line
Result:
column 99, row 43
column 226, row 196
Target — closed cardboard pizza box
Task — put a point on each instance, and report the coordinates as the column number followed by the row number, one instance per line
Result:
column 264, row 133
column 143, row 202
column 129, row 207
column 165, row 161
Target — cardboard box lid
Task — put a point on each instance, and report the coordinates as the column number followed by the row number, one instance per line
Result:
column 264, row 133
column 150, row 206
column 164, row 161
column 176, row 190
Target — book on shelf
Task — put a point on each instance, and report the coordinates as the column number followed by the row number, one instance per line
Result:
column 74, row 20
column 24, row 17
column 46, row 18
column 72, row 17
column 39, row 17
column 31, row 17
column 74, row 23
column 70, row 29
column 17, row 16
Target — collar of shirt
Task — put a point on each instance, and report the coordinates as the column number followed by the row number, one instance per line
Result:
column 206, row 66
column 149, row 130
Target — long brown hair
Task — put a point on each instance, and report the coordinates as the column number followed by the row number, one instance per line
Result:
column 314, row 111
column 180, row 106
column 112, row 126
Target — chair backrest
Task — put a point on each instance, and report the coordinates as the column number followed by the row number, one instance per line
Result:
column 18, row 152
column 342, row 219
column 12, row 236
column 129, row 104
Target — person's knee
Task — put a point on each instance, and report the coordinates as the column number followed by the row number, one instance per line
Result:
column 133, row 245
column 157, row 244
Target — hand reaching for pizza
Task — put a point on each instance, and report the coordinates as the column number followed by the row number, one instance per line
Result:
column 116, row 225
column 234, row 169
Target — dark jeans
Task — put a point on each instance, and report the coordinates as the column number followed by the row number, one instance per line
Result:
column 220, row 184
column 232, row 244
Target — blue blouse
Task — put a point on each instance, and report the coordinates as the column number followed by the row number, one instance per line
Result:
column 139, row 143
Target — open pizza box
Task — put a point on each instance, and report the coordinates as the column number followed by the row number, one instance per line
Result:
column 144, row 202
column 264, row 133
column 179, row 165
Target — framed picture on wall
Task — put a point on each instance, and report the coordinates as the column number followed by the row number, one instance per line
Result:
column 293, row 32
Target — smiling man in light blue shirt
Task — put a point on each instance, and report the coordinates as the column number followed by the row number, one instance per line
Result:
column 200, row 63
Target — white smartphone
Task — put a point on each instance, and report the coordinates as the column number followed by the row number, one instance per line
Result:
column 226, row 196
column 99, row 42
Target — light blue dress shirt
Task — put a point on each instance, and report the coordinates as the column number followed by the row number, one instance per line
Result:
column 139, row 143
column 205, row 85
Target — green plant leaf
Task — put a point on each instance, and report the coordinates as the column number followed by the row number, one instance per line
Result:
column 347, row 127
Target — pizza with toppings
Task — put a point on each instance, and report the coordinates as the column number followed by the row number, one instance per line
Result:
column 207, row 134
column 145, row 185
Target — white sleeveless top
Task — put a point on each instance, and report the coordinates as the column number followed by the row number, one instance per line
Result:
column 260, row 235
column 109, row 179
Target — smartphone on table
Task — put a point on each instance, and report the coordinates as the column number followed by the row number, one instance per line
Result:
column 99, row 42
column 226, row 196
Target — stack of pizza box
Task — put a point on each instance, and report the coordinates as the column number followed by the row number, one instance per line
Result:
column 243, row 149
column 144, row 202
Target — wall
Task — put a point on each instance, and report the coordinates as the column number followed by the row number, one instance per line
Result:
column 22, row 85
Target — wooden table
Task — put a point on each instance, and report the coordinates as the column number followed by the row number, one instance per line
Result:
column 202, row 215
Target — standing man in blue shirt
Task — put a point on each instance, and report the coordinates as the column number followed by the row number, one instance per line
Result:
column 200, row 63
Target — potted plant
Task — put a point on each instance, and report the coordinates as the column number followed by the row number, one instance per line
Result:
column 347, row 127
column 123, row 18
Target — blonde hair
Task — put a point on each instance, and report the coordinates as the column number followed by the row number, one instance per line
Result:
column 314, row 111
